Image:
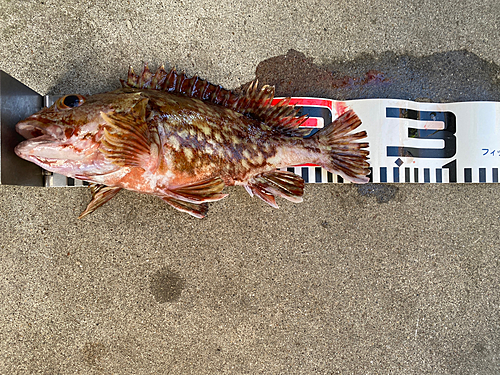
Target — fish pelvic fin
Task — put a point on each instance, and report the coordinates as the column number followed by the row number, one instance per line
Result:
column 252, row 102
column 193, row 198
column 273, row 184
column 129, row 141
column 341, row 154
column 199, row 211
column 100, row 195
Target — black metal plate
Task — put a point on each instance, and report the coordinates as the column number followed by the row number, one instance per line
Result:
column 17, row 102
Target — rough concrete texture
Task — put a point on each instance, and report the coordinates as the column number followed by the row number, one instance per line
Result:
column 355, row 280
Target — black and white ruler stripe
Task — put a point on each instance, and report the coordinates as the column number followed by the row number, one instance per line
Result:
column 428, row 175
column 315, row 174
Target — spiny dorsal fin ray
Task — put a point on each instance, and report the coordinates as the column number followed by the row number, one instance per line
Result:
column 253, row 102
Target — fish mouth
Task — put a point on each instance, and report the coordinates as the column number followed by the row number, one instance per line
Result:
column 32, row 129
column 39, row 136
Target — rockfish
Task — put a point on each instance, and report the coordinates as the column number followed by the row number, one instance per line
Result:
column 183, row 139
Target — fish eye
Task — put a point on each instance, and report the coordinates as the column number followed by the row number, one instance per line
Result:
column 70, row 101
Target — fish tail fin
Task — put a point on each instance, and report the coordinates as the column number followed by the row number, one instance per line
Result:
column 340, row 153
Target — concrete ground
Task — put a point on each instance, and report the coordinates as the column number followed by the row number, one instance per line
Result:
column 392, row 279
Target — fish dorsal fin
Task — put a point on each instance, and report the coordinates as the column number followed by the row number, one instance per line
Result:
column 252, row 102
column 100, row 195
column 128, row 140
column 138, row 110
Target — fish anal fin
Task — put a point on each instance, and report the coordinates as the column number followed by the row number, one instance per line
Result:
column 197, row 210
column 127, row 139
column 100, row 195
column 208, row 190
column 192, row 198
column 252, row 102
column 265, row 196
column 277, row 183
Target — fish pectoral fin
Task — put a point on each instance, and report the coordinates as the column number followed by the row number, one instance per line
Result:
column 197, row 210
column 201, row 191
column 100, row 195
column 277, row 184
column 129, row 141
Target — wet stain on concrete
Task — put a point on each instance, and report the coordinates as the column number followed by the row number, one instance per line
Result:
column 383, row 192
column 166, row 285
column 440, row 77
column 92, row 352
column 480, row 347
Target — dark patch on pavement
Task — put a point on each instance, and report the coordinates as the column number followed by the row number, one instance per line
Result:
column 480, row 347
column 440, row 77
column 166, row 285
column 92, row 352
column 383, row 192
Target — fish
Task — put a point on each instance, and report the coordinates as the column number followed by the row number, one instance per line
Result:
column 184, row 139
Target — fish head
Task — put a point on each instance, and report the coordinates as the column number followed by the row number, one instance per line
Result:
column 65, row 138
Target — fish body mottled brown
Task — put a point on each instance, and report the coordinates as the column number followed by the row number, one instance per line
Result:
column 183, row 139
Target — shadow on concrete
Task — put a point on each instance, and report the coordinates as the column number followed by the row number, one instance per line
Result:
column 440, row 77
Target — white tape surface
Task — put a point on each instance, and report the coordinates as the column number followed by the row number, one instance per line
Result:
column 409, row 141
column 427, row 142
column 420, row 142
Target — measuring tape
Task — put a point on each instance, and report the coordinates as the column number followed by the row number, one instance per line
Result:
column 416, row 142
column 409, row 141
